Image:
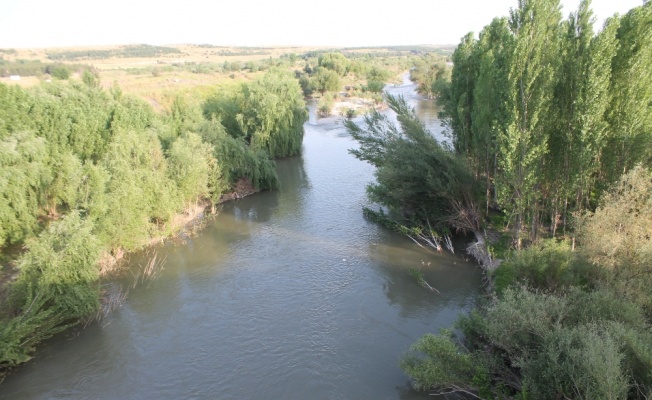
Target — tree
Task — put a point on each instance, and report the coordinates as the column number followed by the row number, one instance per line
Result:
column 192, row 166
column 57, row 286
column 523, row 144
column 325, row 80
column 459, row 104
column 417, row 179
column 140, row 194
column 272, row 114
column 581, row 99
column 335, row 62
column 629, row 114
column 23, row 165
column 490, row 96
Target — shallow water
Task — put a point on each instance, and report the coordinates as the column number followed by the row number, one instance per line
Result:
column 289, row 294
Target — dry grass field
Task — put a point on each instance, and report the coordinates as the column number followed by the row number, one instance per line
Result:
column 193, row 70
column 160, row 78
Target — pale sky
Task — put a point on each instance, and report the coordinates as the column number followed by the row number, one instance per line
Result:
column 47, row 23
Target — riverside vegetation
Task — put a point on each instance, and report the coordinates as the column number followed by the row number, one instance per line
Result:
column 553, row 124
column 89, row 170
column 87, row 173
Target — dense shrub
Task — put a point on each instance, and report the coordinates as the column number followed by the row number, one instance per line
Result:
column 582, row 345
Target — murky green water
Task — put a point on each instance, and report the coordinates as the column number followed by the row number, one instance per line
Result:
column 284, row 295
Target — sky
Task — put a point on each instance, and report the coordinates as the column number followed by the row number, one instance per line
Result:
column 342, row 23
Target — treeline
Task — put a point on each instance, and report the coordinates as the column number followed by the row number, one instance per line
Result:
column 38, row 68
column 549, row 113
column 87, row 173
column 432, row 74
column 133, row 51
column 551, row 126
column 328, row 73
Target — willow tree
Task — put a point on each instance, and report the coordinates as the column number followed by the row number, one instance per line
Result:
column 57, row 285
column 421, row 182
column 194, row 169
column 272, row 114
column 23, row 165
column 139, row 190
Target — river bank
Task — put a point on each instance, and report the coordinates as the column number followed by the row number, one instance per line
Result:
column 296, row 278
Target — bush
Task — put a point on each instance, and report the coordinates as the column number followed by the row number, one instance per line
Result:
column 375, row 86
column 325, row 106
column 548, row 264
column 570, row 345
column 617, row 237
column 349, row 113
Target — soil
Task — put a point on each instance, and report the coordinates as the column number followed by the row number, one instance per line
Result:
column 243, row 188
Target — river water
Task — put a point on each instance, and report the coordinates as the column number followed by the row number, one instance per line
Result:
column 289, row 294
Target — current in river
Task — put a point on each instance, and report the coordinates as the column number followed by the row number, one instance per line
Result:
column 289, row 294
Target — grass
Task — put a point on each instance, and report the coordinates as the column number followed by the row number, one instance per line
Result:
column 190, row 66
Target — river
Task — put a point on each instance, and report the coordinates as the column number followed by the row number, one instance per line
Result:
column 289, row 294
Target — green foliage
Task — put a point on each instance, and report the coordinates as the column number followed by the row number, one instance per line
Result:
column 579, row 326
column 546, row 265
column 59, row 71
column 237, row 160
column 224, row 107
column 335, row 62
column 549, row 113
column 326, row 80
column 194, row 169
column 57, row 285
column 325, row 106
column 378, row 74
column 23, row 160
column 436, row 361
column 91, row 78
column 628, row 115
column 306, row 84
column 416, row 177
column 617, row 236
column 375, row 86
column 575, row 345
column 139, row 51
column 119, row 171
column 268, row 113
column 272, row 114
column 139, row 190
column 432, row 76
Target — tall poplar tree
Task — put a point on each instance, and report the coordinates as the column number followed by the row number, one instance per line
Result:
column 630, row 111
column 581, row 99
column 490, row 95
column 535, row 26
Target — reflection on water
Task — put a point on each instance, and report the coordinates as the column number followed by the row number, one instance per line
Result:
column 287, row 294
